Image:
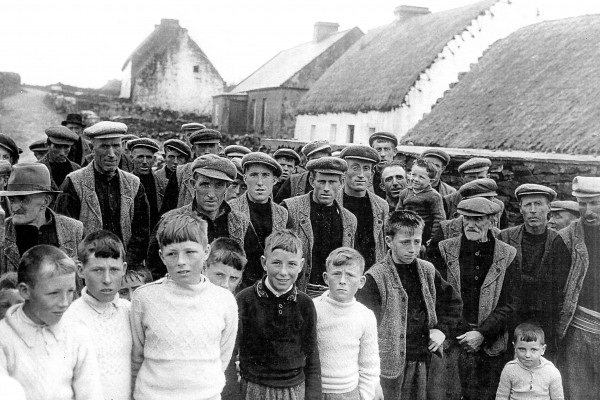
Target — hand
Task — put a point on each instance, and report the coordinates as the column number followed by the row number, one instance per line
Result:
column 470, row 341
column 436, row 339
column 378, row 392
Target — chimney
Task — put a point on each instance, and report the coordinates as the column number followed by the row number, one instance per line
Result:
column 402, row 13
column 323, row 30
column 169, row 23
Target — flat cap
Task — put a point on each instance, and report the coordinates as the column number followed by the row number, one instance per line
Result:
column 213, row 166
column 128, row 137
column 61, row 135
column 586, row 186
column 484, row 187
column 143, row 142
column 192, row 126
column 475, row 164
column 313, row 147
column 390, row 137
column 565, row 205
column 205, row 136
column 9, row 145
column 361, row 152
column 478, row 207
column 437, row 153
column 258, row 157
column 235, row 150
column 106, row 130
column 327, row 165
column 238, row 166
column 178, row 145
column 285, row 152
column 39, row 145
column 5, row 167
column 530, row 189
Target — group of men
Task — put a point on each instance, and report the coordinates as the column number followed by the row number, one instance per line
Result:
column 545, row 270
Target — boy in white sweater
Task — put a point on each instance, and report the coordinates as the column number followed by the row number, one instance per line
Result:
column 50, row 358
column 183, row 326
column 102, row 313
column 346, row 331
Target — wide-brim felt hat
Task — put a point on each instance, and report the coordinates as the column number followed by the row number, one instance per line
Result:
column 261, row 158
column 73, row 119
column 213, row 166
column 586, row 186
column 387, row 136
column 285, row 152
column 28, row 178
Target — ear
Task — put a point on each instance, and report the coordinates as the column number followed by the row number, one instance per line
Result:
column 381, row 186
column 263, row 262
column 543, row 350
column 311, row 180
column 79, row 269
column 207, row 250
column 24, row 291
column 325, row 278
column 162, row 258
column 302, row 262
column 361, row 283
column 124, row 268
column 388, row 241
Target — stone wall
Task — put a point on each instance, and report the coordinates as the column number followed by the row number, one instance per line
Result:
column 10, row 83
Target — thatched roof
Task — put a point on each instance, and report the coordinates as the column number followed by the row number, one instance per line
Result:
column 379, row 70
column 535, row 90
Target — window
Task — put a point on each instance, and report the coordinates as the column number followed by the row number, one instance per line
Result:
column 313, row 132
column 196, row 68
column 332, row 133
column 350, row 134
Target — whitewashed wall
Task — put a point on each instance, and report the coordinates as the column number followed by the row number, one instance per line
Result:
column 126, row 82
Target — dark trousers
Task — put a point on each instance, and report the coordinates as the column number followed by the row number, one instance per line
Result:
column 480, row 374
column 412, row 385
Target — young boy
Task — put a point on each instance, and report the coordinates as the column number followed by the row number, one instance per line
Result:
column 50, row 358
column 423, row 199
column 346, row 331
column 530, row 375
column 279, row 356
column 225, row 263
column 102, row 312
column 132, row 280
column 415, row 308
column 183, row 326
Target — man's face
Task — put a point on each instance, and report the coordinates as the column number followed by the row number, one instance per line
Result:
column 287, row 165
column 173, row 158
column 39, row 154
column 107, row 154
column 561, row 219
column 259, row 180
column 385, row 148
column 236, row 189
column 326, row 187
column 471, row 176
column 210, row 193
column 405, row 245
column 358, row 176
column 201, row 148
column 589, row 209
column 535, row 209
column 102, row 277
column 48, row 299
column 5, row 155
column 75, row 128
column 57, row 153
column 393, row 180
column 440, row 168
column 142, row 158
column 476, row 228
column 28, row 210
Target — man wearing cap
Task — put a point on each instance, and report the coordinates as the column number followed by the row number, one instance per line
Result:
column 369, row 209
column 103, row 196
column 288, row 159
column 142, row 155
column 298, row 185
column 60, row 140
column 575, row 263
column 385, row 144
column 236, row 151
column 177, row 153
column 29, row 195
column 321, row 222
column 473, row 168
column 5, row 170
column 484, row 271
column 260, row 174
column 393, row 180
column 8, row 149
column 238, row 186
column 81, row 148
column 440, row 159
column 187, row 129
column 562, row 213
column 39, row 148
column 211, row 175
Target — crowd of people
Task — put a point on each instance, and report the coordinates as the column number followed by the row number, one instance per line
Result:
column 227, row 273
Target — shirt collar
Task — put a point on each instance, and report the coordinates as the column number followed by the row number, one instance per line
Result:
column 29, row 331
column 99, row 306
column 264, row 289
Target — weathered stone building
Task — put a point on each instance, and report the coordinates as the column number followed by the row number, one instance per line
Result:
column 168, row 70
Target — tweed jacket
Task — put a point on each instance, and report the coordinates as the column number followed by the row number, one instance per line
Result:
column 451, row 204
column 444, row 189
column 84, row 183
column 184, row 175
column 46, row 161
column 299, row 221
column 380, row 209
column 280, row 214
column 298, row 183
column 68, row 230
column 160, row 180
column 491, row 288
column 391, row 331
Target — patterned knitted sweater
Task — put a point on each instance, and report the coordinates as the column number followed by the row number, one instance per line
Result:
column 348, row 348
column 51, row 362
column 183, row 337
column 108, row 327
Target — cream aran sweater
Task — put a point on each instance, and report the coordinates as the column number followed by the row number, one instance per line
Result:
column 110, row 333
column 183, row 337
column 348, row 349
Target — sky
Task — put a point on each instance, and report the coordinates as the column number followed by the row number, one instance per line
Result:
column 85, row 42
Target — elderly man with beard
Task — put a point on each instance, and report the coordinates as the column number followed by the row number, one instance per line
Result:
column 384, row 143
column 60, row 140
column 29, row 195
column 393, row 180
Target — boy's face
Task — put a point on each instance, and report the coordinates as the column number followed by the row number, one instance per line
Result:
column 128, row 286
column 223, row 275
column 49, row 298
column 344, row 281
column 102, row 277
column 282, row 268
column 419, row 178
column 529, row 353
column 184, row 261
column 405, row 246
column 8, row 298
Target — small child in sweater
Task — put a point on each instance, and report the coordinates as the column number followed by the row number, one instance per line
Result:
column 50, row 358
column 423, row 199
column 183, row 326
column 346, row 331
column 102, row 312
column 279, row 355
column 530, row 376
column 133, row 279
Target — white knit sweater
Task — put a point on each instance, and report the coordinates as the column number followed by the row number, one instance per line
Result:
column 183, row 337
column 51, row 362
column 110, row 333
column 348, row 349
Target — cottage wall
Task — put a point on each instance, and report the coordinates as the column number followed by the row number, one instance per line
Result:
column 463, row 50
column 229, row 114
column 279, row 116
column 126, row 82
